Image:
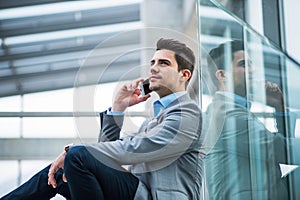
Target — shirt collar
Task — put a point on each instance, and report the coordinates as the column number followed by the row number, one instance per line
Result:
column 165, row 101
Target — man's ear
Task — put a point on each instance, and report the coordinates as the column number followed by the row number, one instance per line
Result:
column 186, row 74
column 220, row 74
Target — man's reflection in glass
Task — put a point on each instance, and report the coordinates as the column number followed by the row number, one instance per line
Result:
column 242, row 155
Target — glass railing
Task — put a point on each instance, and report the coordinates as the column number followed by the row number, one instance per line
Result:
column 250, row 96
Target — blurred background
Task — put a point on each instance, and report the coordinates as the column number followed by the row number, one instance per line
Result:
column 61, row 62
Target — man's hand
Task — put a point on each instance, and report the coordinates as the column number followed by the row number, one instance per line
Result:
column 55, row 166
column 128, row 95
column 274, row 96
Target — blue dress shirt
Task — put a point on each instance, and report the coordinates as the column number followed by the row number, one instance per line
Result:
column 164, row 102
column 158, row 105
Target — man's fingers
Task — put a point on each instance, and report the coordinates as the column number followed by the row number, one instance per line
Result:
column 51, row 180
column 147, row 96
column 134, row 84
column 129, row 87
column 64, row 178
column 137, row 81
column 55, row 166
column 144, row 98
column 51, row 173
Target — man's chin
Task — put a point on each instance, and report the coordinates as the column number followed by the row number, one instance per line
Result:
column 153, row 88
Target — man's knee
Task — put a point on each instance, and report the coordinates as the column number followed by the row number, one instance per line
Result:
column 74, row 154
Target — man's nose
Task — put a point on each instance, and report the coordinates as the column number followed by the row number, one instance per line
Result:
column 154, row 68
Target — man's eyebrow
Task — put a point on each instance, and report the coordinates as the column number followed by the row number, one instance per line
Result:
column 161, row 60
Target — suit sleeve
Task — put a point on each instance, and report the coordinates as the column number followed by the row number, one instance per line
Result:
column 111, row 126
column 170, row 137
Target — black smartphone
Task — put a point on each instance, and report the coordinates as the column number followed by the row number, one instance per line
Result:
column 144, row 87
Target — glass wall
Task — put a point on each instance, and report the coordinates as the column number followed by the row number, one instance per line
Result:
column 250, row 99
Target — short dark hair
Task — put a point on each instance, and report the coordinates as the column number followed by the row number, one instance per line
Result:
column 217, row 54
column 216, row 60
column 184, row 56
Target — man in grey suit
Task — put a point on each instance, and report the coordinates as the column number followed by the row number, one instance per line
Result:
column 164, row 156
column 243, row 156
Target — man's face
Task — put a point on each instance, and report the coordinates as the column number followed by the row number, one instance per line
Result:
column 239, row 63
column 165, row 78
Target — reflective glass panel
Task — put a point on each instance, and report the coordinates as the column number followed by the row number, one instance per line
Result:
column 251, row 110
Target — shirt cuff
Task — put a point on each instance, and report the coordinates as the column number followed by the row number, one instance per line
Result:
column 109, row 112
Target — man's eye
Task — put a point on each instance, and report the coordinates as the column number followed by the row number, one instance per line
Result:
column 242, row 64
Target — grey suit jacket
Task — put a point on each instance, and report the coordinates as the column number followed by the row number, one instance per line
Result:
column 243, row 157
column 164, row 154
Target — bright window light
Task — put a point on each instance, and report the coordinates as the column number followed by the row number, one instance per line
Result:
column 80, row 32
column 8, row 180
column 214, row 13
column 49, row 101
column 10, row 127
column 55, row 8
column 10, row 104
column 49, row 127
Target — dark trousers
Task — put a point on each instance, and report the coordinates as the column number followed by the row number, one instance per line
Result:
column 88, row 178
column 37, row 188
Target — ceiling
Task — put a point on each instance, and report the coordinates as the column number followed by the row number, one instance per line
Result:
column 45, row 42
